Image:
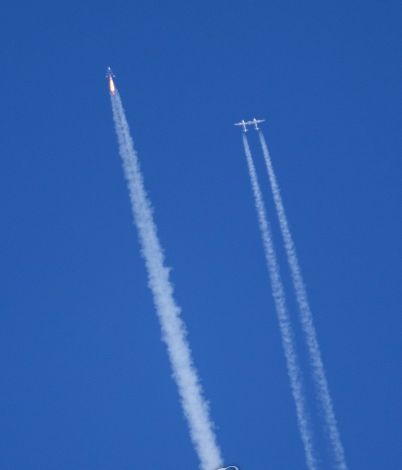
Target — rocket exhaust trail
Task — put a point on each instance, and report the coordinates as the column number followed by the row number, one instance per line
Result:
column 294, row 372
column 173, row 329
column 306, row 319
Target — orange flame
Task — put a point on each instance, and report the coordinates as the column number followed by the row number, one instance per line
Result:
column 111, row 86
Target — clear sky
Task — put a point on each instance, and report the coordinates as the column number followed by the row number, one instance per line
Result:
column 85, row 381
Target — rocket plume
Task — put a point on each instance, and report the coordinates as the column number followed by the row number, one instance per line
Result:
column 194, row 406
column 111, row 86
column 294, row 372
column 306, row 319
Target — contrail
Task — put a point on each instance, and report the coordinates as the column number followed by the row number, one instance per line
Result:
column 306, row 319
column 294, row 372
column 195, row 407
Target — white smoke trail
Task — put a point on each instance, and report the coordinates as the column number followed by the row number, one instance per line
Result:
column 195, row 407
column 294, row 372
column 306, row 319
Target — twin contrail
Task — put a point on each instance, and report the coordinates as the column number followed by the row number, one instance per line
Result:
column 294, row 372
column 173, row 329
column 306, row 319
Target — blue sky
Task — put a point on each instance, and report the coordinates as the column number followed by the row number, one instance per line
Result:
column 85, row 381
